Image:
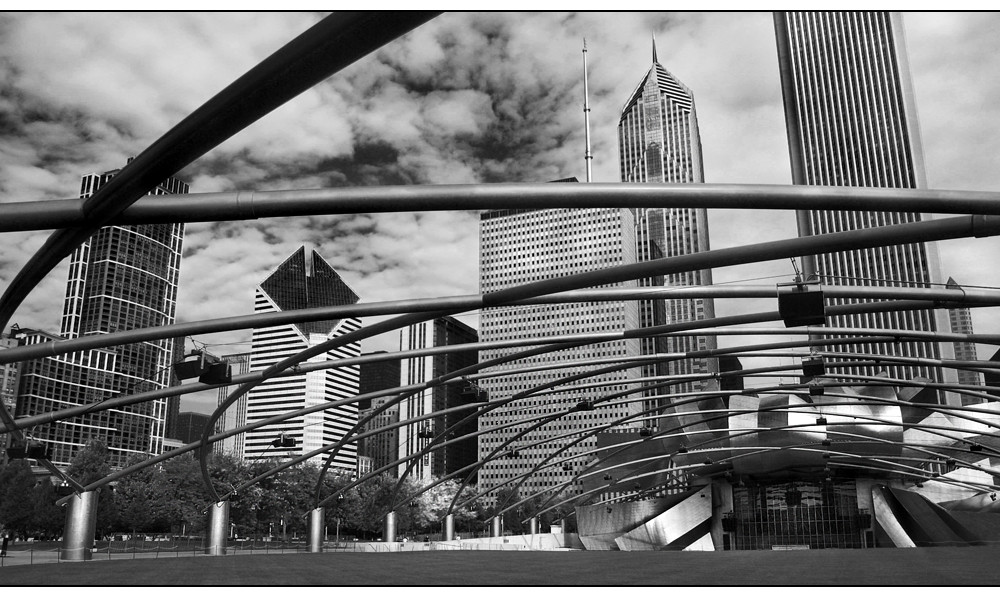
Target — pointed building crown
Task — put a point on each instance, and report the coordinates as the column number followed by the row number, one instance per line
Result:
column 665, row 82
column 294, row 285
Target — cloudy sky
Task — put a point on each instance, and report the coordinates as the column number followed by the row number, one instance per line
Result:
column 467, row 98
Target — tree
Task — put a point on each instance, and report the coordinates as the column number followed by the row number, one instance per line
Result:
column 144, row 500
column 435, row 502
column 91, row 464
column 189, row 496
column 17, row 485
column 48, row 518
column 375, row 498
column 344, row 510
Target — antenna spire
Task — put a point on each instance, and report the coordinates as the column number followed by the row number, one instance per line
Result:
column 654, row 47
column 587, row 156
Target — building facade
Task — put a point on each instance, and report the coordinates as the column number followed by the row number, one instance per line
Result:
column 236, row 415
column 382, row 448
column 190, row 426
column 299, row 284
column 10, row 375
column 439, row 332
column 122, row 278
column 851, row 121
column 659, row 142
column 960, row 319
column 523, row 246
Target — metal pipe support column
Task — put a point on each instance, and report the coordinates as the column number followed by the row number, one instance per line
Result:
column 534, row 525
column 218, row 528
column 497, row 528
column 316, row 530
column 449, row 527
column 81, row 524
column 389, row 534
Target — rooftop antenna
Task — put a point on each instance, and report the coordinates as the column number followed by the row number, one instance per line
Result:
column 587, row 156
column 653, row 35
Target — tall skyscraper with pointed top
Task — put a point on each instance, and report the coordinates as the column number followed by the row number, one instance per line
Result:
column 299, row 283
column 851, row 121
column 659, row 142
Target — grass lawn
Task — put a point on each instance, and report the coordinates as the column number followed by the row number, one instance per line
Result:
column 921, row 566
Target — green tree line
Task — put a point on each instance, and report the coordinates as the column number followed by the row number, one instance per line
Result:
column 170, row 499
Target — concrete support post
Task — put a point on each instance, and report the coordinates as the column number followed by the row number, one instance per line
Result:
column 81, row 524
column 389, row 534
column 534, row 525
column 316, row 530
column 449, row 527
column 218, row 528
column 497, row 526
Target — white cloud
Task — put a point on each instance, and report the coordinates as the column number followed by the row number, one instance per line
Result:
column 466, row 98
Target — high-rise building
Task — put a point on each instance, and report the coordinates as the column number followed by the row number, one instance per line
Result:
column 377, row 376
column 299, row 284
column 520, row 246
column 190, row 426
column 10, row 374
column 383, row 447
column 236, row 415
column 442, row 331
column 851, row 121
column 122, row 278
column 174, row 402
column 960, row 319
column 658, row 141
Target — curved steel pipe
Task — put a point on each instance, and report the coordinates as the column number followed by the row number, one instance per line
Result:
column 972, row 297
column 248, row 205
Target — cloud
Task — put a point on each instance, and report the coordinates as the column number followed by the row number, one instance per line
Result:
column 466, row 98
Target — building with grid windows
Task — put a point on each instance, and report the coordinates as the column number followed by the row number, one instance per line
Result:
column 658, row 141
column 236, row 415
column 122, row 278
column 523, row 246
column 960, row 319
column 299, row 283
column 851, row 121
column 442, row 331
column 9, row 376
column 382, row 448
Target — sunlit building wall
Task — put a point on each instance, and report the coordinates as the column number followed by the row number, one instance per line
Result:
column 851, row 121
column 235, row 416
column 523, row 246
column 298, row 284
column 659, row 141
column 122, row 278
column 441, row 331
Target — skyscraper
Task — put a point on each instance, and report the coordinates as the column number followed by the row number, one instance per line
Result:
column 236, row 415
column 960, row 319
column 442, row 331
column 658, row 141
column 122, row 278
column 520, row 246
column 383, row 447
column 9, row 376
column 851, row 121
column 297, row 284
